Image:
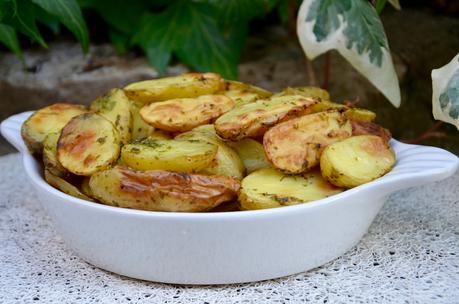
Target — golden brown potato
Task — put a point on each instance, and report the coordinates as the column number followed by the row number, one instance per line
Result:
column 50, row 155
column 254, row 119
column 226, row 161
column 241, row 97
column 295, row 146
column 184, row 114
column 64, row 186
column 173, row 155
column 140, row 129
column 369, row 128
column 182, row 86
column 46, row 120
column 307, row 92
column 269, row 188
column 360, row 114
column 88, row 143
column 158, row 190
column 231, row 85
column 356, row 160
column 116, row 107
column 85, row 188
column 251, row 153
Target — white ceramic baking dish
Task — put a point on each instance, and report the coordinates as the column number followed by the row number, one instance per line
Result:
column 227, row 247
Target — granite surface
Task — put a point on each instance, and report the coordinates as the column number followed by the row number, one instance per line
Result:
column 409, row 255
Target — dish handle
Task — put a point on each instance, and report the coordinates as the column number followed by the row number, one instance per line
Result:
column 11, row 130
column 418, row 165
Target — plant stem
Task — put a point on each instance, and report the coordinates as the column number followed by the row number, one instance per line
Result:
column 311, row 72
column 427, row 134
column 326, row 71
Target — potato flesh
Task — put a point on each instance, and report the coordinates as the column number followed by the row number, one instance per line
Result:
column 140, row 129
column 116, row 107
column 360, row 114
column 241, row 97
column 295, row 146
column 88, row 143
column 307, row 92
column 231, row 85
column 254, row 119
column 47, row 120
column 251, row 153
column 269, row 188
column 184, row 114
column 64, row 186
column 158, row 190
column 50, row 155
column 356, row 160
column 183, row 86
column 173, row 155
column 226, row 162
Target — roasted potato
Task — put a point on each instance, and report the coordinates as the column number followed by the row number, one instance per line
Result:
column 50, row 155
column 85, row 188
column 87, row 144
column 46, row 120
column 158, row 190
column 184, row 114
column 226, row 161
column 295, row 146
column 183, row 86
column 241, row 97
column 368, row 128
column 269, row 188
column 116, row 107
column 172, row 155
column 254, row 119
column 251, row 153
column 64, row 186
column 356, row 160
column 231, row 85
column 360, row 114
column 140, row 129
column 306, row 92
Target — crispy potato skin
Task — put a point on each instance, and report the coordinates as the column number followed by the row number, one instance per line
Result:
column 116, row 107
column 180, row 156
column 46, row 120
column 295, row 146
column 183, row 86
column 184, row 114
column 226, row 162
column 269, row 188
column 251, row 153
column 64, row 186
column 360, row 127
column 356, row 160
column 162, row 190
column 254, row 119
column 50, row 155
column 87, row 144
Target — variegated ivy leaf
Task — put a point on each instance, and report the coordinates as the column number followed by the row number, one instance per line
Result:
column 354, row 29
column 445, row 97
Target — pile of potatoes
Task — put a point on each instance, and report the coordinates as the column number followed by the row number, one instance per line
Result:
column 197, row 142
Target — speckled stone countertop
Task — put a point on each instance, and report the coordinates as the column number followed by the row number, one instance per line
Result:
column 409, row 255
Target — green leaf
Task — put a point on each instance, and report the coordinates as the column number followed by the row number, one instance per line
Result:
column 119, row 41
column 379, row 6
column 48, row 20
column 23, row 19
column 68, row 12
column 395, row 4
column 445, row 97
column 236, row 10
column 9, row 38
column 354, row 29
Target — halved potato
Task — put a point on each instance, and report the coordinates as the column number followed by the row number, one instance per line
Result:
column 87, row 144
column 231, row 85
column 254, row 119
column 226, row 161
column 140, row 129
column 356, row 160
column 360, row 114
column 360, row 127
column 116, row 107
column 173, row 155
column 46, row 120
column 269, row 188
column 50, row 155
column 241, row 97
column 159, row 190
column 85, row 188
column 251, row 153
column 182, row 86
column 295, row 146
column 184, row 114
column 306, row 92
column 64, row 186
